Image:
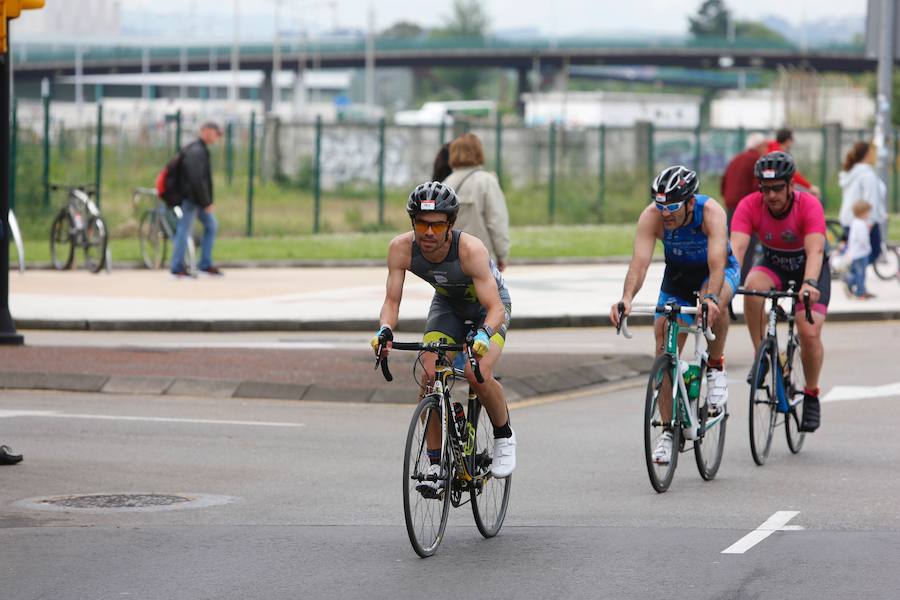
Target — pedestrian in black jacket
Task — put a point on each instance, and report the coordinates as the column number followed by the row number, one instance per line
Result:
column 195, row 180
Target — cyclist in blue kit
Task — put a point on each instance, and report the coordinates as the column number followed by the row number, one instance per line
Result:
column 694, row 234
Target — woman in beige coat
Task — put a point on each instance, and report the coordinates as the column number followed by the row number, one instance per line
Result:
column 482, row 210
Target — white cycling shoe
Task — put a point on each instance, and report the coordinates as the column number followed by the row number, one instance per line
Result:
column 717, row 387
column 503, row 462
column 663, row 452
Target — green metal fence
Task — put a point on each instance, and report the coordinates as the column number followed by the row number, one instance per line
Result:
column 281, row 178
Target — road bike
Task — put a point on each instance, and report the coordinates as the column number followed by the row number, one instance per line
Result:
column 465, row 438
column 776, row 378
column 677, row 397
column 78, row 224
column 156, row 227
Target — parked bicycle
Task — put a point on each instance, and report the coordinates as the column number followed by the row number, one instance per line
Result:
column 776, row 379
column 676, row 401
column 16, row 235
column 156, row 227
column 465, row 439
column 78, row 224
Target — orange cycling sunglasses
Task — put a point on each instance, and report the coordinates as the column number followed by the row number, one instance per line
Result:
column 439, row 227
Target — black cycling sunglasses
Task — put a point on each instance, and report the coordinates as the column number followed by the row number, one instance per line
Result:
column 775, row 187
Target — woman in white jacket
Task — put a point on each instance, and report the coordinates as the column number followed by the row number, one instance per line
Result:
column 859, row 181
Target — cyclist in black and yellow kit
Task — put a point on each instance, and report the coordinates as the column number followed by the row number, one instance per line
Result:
column 468, row 286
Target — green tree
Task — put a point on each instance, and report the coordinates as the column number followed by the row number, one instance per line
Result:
column 755, row 30
column 711, row 20
column 402, row 30
column 469, row 23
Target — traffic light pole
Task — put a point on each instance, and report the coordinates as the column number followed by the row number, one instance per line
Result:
column 8, row 335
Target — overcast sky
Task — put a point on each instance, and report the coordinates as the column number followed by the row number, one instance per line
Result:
column 556, row 17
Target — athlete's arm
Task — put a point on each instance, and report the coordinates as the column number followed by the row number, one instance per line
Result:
column 475, row 262
column 644, row 242
column 716, row 229
column 399, row 256
column 741, row 228
column 814, row 245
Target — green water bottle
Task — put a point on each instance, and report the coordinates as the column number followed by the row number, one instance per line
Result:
column 692, row 381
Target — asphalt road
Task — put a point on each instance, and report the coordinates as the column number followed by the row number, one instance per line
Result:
column 312, row 504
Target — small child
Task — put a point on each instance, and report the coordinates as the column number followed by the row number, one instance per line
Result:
column 858, row 250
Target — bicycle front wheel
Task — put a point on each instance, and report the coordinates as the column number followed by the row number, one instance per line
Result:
column 794, row 388
column 887, row 265
column 96, row 238
column 153, row 240
column 660, row 473
column 709, row 447
column 426, row 494
column 490, row 496
column 763, row 402
column 62, row 246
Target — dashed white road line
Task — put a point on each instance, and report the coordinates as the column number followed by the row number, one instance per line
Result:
column 861, row 392
column 60, row 415
column 777, row 522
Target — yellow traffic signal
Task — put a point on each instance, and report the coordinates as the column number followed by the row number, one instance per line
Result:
column 11, row 9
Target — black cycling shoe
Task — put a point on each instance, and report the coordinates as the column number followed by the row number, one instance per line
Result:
column 810, row 420
column 7, row 457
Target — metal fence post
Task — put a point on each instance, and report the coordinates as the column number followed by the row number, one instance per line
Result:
column 741, row 139
column 498, row 149
column 697, row 134
column 895, row 193
column 177, row 130
column 13, row 154
column 45, row 171
column 551, row 203
column 443, row 134
column 317, row 182
column 229, row 152
column 381, row 171
column 251, row 169
column 651, row 153
column 601, row 196
column 823, row 176
column 98, row 162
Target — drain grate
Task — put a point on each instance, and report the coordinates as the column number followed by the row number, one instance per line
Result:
column 114, row 501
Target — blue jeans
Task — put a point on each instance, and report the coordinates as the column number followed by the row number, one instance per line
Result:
column 185, row 229
column 856, row 276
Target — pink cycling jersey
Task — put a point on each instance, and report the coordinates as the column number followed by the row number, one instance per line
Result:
column 782, row 238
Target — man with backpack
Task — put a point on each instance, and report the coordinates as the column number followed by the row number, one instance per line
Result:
column 194, row 187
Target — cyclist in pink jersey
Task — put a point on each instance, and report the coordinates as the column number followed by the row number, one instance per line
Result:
column 791, row 227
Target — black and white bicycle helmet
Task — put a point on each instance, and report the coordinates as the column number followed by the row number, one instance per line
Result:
column 674, row 184
column 775, row 165
column 433, row 196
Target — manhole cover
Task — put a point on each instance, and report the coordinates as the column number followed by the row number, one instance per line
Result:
column 124, row 502
column 116, row 500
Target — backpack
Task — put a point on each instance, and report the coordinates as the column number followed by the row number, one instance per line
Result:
column 167, row 182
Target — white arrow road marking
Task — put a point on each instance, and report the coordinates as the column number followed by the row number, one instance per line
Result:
column 58, row 415
column 774, row 523
column 861, row 392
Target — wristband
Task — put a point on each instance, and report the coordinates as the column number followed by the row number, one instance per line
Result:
column 813, row 282
column 488, row 330
column 712, row 297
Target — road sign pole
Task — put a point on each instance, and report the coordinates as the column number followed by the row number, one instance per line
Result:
column 8, row 335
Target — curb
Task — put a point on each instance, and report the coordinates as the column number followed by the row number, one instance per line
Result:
column 249, row 325
column 517, row 388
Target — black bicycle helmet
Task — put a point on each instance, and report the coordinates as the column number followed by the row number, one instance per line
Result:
column 775, row 165
column 433, row 196
column 674, row 184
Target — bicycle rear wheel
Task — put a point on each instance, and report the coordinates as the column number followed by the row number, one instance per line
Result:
column 96, row 238
column 62, row 246
column 153, row 240
column 794, row 387
column 762, row 402
column 490, row 496
column 708, row 448
column 425, row 510
column 660, row 379
column 887, row 266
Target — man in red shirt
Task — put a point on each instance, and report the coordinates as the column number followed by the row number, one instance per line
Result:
column 784, row 139
column 738, row 180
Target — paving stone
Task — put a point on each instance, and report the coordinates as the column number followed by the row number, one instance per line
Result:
column 214, row 388
column 127, row 384
column 21, row 380
column 72, row 382
column 276, row 391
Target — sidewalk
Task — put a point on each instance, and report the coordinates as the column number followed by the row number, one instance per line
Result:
column 330, row 299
